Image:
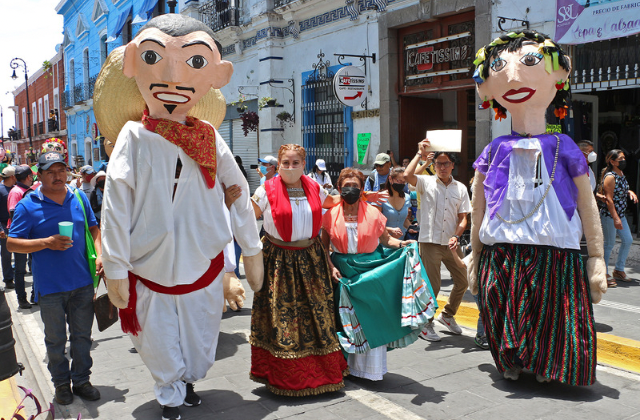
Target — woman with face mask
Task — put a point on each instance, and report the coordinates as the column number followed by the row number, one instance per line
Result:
column 396, row 208
column 294, row 345
column 371, row 288
column 612, row 214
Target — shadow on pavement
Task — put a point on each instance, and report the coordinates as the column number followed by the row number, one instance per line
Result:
column 228, row 344
column 108, row 394
column 603, row 328
column 527, row 387
column 394, row 383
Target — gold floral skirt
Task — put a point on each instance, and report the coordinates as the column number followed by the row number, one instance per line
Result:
column 294, row 345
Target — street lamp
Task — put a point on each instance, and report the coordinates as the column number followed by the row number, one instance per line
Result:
column 14, row 65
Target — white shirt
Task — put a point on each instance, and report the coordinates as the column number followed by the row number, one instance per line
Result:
column 321, row 180
column 440, row 206
column 169, row 241
column 592, row 179
column 548, row 226
column 302, row 218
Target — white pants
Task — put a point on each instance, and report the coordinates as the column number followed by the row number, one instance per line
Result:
column 371, row 365
column 179, row 337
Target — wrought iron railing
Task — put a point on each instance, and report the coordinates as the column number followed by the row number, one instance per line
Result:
column 218, row 14
column 41, row 127
column 52, row 124
column 606, row 64
column 78, row 93
column 67, row 99
column 278, row 3
column 90, row 85
column 35, row 130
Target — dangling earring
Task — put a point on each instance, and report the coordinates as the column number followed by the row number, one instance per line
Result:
column 486, row 103
column 560, row 85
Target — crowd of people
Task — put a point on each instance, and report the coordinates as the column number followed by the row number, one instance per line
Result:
column 345, row 269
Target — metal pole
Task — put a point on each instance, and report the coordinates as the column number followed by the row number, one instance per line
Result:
column 172, row 5
column 14, row 65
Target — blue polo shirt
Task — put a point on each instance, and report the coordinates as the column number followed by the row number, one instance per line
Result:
column 36, row 216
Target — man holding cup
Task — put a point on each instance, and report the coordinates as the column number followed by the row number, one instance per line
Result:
column 64, row 295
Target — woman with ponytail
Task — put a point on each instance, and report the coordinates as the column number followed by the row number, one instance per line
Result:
column 612, row 214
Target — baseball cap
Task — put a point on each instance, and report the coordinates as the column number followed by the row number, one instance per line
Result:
column 382, row 158
column 22, row 170
column 47, row 159
column 321, row 164
column 8, row 171
column 87, row 170
column 270, row 160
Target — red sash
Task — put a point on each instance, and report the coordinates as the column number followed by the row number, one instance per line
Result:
column 281, row 206
column 129, row 319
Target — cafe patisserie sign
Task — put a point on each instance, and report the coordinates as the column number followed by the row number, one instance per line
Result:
column 423, row 58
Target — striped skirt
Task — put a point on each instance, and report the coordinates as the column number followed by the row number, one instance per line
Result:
column 536, row 308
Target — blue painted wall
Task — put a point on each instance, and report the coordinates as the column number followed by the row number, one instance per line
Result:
column 80, row 123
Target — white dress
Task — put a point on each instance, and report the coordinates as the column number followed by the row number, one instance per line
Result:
column 371, row 365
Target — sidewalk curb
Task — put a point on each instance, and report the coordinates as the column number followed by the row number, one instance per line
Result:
column 618, row 352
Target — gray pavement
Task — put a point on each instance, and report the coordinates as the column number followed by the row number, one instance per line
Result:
column 445, row 380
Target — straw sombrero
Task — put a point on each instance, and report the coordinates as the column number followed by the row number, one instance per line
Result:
column 116, row 100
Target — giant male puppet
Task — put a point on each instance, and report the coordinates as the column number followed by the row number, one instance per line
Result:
column 532, row 201
column 163, row 224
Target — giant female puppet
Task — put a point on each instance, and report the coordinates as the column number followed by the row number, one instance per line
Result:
column 531, row 204
column 163, row 222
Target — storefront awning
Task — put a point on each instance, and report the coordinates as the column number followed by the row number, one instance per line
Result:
column 122, row 19
column 145, row 11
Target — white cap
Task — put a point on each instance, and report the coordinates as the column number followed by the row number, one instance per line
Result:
column 321, row 164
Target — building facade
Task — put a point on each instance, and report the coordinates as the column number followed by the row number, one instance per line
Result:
column 92, row 29
column 42, row 112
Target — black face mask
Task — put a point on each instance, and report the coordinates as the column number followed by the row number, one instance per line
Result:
column 398, row 187
column 622, row 164
column 350, row 195
column 100, row 184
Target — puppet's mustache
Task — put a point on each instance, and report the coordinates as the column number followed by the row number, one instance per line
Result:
column 162, row 85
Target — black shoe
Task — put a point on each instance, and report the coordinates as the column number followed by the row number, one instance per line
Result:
column 170, row 413
column 63, row 394
column 33, row 299
column 86, row 391
column 192, row 399
column 23, row 303
column 9, row 284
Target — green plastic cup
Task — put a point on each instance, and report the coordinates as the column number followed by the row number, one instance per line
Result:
column 66, row 229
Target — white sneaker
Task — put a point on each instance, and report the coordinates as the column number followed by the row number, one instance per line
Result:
column 512, row 373
column 542, row 379
column 450, row 323
column 428, row 333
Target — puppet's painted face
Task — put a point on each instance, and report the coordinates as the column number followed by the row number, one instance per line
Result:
column 519, row 80
column 54, row 145
column 173, row 73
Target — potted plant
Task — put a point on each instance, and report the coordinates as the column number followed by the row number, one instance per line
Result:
column 285, row 118
column 239, row 104
column 266, row 102
column 250, row 122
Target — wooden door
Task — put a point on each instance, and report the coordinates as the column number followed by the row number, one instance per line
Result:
column 417, row 115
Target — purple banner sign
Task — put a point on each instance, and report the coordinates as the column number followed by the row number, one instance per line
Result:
column 582, row 21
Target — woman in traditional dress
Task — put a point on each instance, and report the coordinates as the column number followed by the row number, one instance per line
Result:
column 383, row 299
column 531, row 202
column 294, row 346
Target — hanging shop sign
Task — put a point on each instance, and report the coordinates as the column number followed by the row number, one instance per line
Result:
column 438, row 55
column 582, row 21
column 350, row 85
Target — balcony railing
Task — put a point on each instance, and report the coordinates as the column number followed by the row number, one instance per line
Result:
column 278, row 3
column 52, row 125
column 218, row 14
column 35, row 130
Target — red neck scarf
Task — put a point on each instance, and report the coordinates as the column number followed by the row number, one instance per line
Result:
column 281, row 206
column 196, row 138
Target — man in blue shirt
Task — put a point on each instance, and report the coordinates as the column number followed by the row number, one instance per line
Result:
column 380, row 174
column 64, row 285
column 8, row 181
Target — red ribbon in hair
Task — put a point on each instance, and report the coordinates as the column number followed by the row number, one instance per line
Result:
column 281, row 206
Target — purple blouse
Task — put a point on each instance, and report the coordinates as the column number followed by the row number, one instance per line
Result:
column 571, row 164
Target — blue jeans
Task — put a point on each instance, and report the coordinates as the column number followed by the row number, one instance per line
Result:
column 238, row 252
column 76, row 309
column 5, row 256
column 609, row 231
column 21, row 270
